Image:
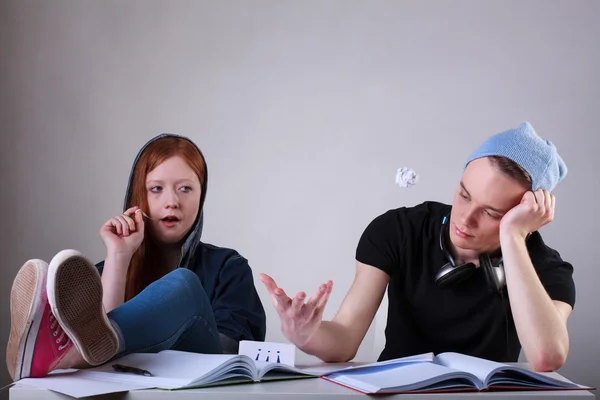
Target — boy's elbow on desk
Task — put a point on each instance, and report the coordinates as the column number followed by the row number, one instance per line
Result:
column 338, row 358
column 348, row 356
column 331, row 356
column 548, row 360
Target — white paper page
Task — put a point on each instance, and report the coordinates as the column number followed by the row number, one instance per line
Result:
column 126, row 379
column 264, row 368
column 556, row 376
column 269, row 352
column 425, row 357
column 477, row 366
column 324, row 369
column 404, row 378
column 527, row 378
column 172, row 364
column 513, row 376
column 77, row 387
column 170, row 369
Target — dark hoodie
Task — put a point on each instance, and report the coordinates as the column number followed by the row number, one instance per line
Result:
column 224, row 274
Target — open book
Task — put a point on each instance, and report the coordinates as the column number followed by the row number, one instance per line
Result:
column 172, row 369
column 447, row 372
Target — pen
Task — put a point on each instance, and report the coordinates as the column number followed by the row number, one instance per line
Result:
column 133, row 370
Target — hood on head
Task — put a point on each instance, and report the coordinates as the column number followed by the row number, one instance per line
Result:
column 193, row 237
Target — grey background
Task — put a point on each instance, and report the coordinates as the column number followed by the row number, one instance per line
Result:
column 304, row 110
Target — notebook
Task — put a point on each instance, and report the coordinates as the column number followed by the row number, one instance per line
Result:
column 448, row 372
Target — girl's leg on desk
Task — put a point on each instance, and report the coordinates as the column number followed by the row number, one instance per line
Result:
column 58, row 320
column 173, row 312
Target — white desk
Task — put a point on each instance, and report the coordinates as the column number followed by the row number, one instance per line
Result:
column 293, row 390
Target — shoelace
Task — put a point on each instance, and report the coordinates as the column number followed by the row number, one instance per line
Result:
column 54, row 324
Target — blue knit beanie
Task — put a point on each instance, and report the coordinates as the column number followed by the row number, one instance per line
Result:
column 537, row 156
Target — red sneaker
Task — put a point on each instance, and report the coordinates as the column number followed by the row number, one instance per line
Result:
column 36, row 343
column 75, row 296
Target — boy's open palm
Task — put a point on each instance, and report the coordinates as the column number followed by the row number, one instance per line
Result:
column 299, row 320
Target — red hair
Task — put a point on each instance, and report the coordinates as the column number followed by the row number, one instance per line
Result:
column 148, row 262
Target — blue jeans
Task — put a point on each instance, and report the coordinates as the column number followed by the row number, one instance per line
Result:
column 173, row 312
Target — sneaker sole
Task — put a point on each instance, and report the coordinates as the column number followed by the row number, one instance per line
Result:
column 26, row 312
column 75, row 296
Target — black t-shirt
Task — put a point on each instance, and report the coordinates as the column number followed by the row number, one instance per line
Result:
column 466, row 318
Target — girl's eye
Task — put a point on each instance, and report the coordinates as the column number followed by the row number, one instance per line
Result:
column 155, row 189
column 186, row 189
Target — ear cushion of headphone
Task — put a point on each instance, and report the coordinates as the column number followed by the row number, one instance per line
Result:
column 450, row 275
column 488, row 271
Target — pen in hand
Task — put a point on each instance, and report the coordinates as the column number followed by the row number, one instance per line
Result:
column 133, row 370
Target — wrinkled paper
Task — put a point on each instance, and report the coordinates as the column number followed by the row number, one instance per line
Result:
column 406, row 177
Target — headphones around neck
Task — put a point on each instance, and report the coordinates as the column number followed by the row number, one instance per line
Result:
column 451, row 274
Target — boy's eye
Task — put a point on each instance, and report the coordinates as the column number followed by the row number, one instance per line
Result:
column 461, row 194
column 494, row 216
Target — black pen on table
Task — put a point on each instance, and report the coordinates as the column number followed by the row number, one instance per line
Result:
column 133, row 370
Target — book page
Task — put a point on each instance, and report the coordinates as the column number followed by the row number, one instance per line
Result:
column 425, row 357
column 170, row 369
column 502, row 375
column 324, row 369
column 408, row 377
column 280, row 371
column 517, row 376
column 479, row 367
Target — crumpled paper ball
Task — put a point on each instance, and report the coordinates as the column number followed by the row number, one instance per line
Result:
column 406, row 177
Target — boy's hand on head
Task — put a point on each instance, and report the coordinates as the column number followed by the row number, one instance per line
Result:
column 299, row 320
column 535, row 210
column 124, row 233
